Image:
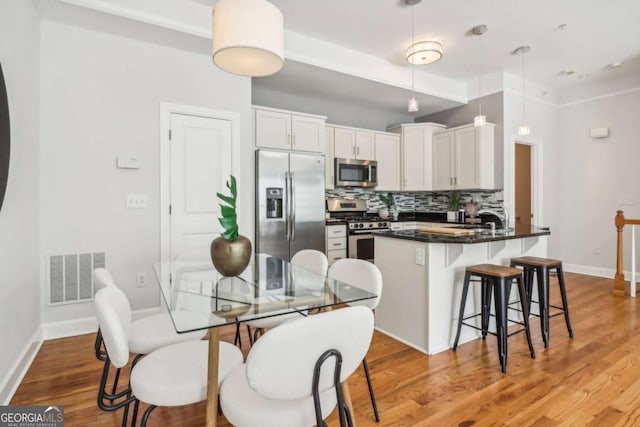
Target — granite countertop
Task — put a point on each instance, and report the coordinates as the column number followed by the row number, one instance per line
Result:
column 483, row 236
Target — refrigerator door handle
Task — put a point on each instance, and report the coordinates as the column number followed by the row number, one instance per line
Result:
column 293, row 206
column 287, row 192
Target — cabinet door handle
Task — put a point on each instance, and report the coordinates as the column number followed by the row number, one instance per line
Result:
column 337, row 244
column 353, row 150
column 358, row 150
column 288, row 139
column 294, row 140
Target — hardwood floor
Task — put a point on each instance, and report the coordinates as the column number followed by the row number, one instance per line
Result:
column 591, row 380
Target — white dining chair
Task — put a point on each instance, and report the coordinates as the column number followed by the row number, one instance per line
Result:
column 367, row 276
column 173, row 375
column 307, row 259
column 293, row 372
column 147, row 334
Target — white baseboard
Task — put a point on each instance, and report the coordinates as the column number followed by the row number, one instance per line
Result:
column 607, row 273
column 86, row 325
column 9, row 385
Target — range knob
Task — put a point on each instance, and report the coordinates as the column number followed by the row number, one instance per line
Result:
column 360, row 225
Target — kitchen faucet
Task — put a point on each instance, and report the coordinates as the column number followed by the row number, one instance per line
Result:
column 503, row 218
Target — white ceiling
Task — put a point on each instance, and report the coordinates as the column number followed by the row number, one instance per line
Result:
column 598, row 32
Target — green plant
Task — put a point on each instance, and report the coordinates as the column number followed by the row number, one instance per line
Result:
column 229, row 220
column 387, row 199
column 454, row 200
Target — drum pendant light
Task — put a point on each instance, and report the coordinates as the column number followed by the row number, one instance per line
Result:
column 248, row 37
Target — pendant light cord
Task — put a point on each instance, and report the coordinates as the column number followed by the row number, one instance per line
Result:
column 413, row 65
column 523, row 54
column 479, row 75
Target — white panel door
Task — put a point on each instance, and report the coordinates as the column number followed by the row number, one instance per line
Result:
column 344, row 143
column 307, row 134
column 273, row 129
column 200, row 163
column 388, row 157
column 413, row 155
column 467, row 158
column 329, row 164
column 442, row 159
column 365, row 146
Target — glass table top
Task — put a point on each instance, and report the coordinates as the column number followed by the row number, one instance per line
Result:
column 198, row 297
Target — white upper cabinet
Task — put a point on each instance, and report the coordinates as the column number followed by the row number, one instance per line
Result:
column 415, row 154
column 285, row 130
column 352, row 143
column 329, row 164
column 387, row 149
column 463, row 158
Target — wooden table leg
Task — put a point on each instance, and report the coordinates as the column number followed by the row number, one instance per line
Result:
column 346, row 395
column 212, row 381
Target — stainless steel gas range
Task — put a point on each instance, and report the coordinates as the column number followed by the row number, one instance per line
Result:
column 360, row 225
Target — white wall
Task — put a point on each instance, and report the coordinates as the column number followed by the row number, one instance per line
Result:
column 19, row 233
column 100, row 97
column 541, row 114
column 595, row 176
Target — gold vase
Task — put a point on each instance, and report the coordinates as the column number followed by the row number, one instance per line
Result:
column 230, row 257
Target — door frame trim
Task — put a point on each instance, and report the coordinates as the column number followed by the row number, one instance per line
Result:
column 536, row 176
column 166, row 110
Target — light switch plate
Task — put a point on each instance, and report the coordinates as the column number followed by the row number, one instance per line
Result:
column 137, row 201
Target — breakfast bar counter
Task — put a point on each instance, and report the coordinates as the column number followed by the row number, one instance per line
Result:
column 423, row 273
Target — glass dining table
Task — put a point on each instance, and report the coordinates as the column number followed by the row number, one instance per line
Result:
column 198, row 297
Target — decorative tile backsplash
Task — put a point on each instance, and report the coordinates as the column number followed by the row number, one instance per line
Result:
column 421, row 202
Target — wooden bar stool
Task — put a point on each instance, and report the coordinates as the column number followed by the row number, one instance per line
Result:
column 497, row 279
column 541, row 267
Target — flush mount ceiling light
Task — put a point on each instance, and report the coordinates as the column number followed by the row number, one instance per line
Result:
column 424, row 52
column 523, row 129
column 480, row 119
column 412, row 105
column 248, row 37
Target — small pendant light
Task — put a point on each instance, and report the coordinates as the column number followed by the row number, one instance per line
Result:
column 412, row 105
column 480, row 119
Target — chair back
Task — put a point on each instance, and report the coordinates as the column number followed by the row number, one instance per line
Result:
column 361, row 274
column 312, row 260
column 281, row 364
column 114, row 317
column 102, row 279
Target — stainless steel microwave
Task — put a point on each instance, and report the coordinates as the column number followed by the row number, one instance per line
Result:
column 356, row 173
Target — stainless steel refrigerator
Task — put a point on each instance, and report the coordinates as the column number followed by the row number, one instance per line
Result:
column 290, row 203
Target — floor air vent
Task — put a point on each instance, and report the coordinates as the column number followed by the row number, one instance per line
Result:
column 70, row 277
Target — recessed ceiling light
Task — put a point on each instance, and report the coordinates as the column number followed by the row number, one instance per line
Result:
column 568, row 71
column 583, row 76
column 615, row 65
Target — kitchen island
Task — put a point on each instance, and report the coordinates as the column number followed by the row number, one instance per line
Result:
column 423, row 274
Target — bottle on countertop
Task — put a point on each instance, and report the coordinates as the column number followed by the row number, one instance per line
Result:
column 461, row 213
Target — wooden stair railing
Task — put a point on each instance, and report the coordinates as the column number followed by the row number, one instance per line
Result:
column 618, row 284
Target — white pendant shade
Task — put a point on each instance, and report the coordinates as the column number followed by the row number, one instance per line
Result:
column 248, row 37
column 413, row 104
column 424, row 52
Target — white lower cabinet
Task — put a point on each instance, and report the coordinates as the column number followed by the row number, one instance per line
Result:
column 336, row 242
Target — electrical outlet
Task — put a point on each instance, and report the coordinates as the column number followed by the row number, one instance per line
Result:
column 141, row 279
column 419, row 256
